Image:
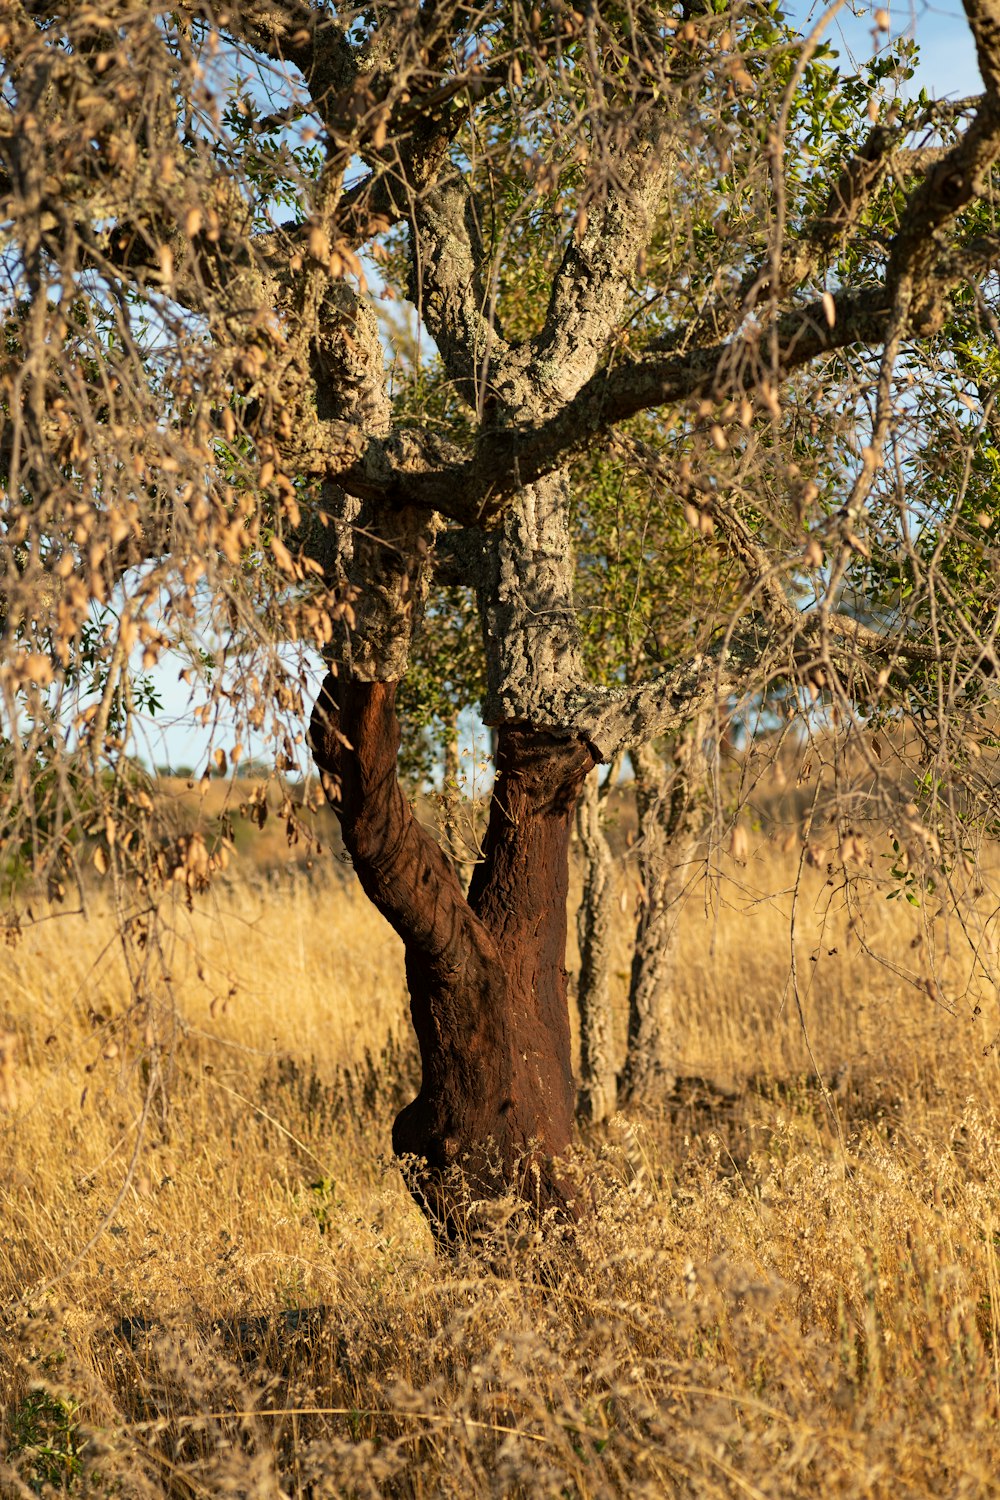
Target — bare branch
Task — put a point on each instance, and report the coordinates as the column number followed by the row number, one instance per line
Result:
column 448, row 260
column 592, row 286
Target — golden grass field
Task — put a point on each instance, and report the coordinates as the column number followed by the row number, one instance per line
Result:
column 765, row 1303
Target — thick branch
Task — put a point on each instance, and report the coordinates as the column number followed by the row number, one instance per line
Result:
column 447, row 273
column 388, row 195
column 755, row 651
column 592, row 286
column 355, row 739
column 508, row 459
column 984, row 19
column 803, row 257
column 614, row 719
column 418, row 468
column 952, row 184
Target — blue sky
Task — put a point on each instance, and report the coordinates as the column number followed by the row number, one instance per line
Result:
column 947, row 68
column 948, row 55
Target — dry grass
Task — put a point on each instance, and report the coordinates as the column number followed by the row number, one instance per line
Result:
column 758, row 1308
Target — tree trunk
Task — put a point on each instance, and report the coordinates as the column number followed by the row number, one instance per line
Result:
column 670, row 821
column 451, row 795
column 598, row 1095
column 486, row 974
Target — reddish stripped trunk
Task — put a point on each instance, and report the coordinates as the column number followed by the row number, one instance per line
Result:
column 486, row 974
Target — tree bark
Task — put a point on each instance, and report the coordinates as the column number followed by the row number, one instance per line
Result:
column 531, row 631
column 669, row 829
column 598, row 1096
column 486, row 973
column 451, row 795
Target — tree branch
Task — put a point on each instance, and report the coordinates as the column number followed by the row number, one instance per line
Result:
column 613, row 719
column 354, row 736
column 591, row 288
column 448, row 288
column 414, row 467
column 754, row 651
column 951, row 185
column 508, row 459
column 309, row 36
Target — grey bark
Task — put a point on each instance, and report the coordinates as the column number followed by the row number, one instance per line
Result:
column 671, row 818
column 598, row 1093
column 375, row 555
column 451, row 794
column 422, row 469
column 388, row 575
column 530, row 628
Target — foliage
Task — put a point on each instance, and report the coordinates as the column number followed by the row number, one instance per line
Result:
column 44, row 1441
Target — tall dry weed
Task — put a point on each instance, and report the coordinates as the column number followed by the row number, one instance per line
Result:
column 788, row 1285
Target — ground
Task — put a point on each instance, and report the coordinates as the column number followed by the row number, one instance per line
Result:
column 786, row 1288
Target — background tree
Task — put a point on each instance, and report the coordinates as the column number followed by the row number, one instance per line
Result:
column 199, row 439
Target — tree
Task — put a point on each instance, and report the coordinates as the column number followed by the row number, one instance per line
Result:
column 199, row 440
column 641, row 587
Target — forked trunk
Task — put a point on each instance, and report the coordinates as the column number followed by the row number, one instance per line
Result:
column 486, row 973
